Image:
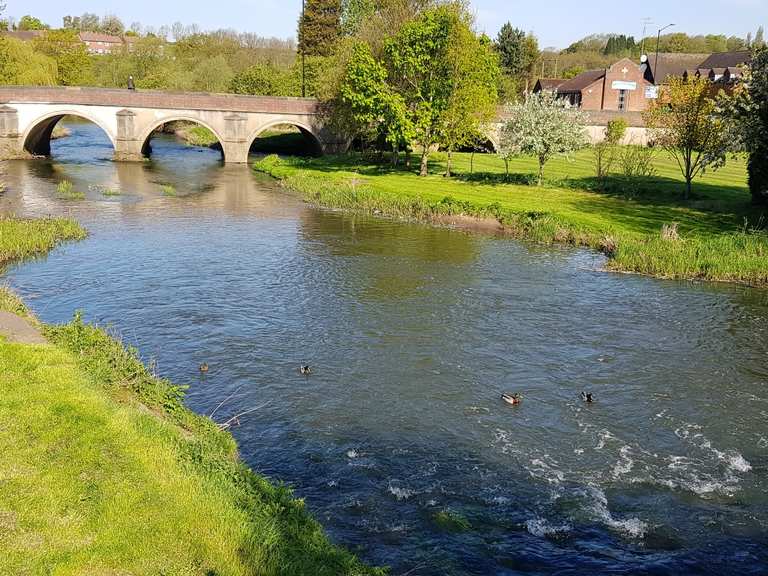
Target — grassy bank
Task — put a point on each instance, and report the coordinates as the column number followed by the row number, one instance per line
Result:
column 642, row 224
column 104, row 470
column 23, row 238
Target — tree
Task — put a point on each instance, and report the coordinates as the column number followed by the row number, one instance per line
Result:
column 212, row 75
column 319, row 27
column 518, row 53
column 473, row 96
column 425, row 69
column 31, row 23
column 111, row 24
column 263, row 79
column 72, row 61
column 759, row 41
column 21, row 65
column 683, row 122
column 354, row 13
column 747, row 110
column 542, row 127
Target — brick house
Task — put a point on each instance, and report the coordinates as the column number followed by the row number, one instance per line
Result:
column 621, row 87
column 98, row 43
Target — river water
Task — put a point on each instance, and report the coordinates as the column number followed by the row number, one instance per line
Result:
column 413, row 333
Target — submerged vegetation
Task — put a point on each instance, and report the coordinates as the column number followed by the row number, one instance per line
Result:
column 168, row 190
column 720, row 235
column 66, row 191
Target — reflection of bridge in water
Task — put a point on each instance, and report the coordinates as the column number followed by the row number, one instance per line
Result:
column 28, row 116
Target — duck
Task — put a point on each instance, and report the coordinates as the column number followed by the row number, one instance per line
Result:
column 305, row 369
column 204, row 367
column 512, row 399
column 587, row 397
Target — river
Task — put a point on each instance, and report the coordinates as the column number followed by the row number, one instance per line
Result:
column 398, row 440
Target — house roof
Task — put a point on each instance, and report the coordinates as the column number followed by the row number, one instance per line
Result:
column 672, row 64
column 549, row 83
column 580, row 82
column 99, row 37
column 727, row 59
column 25, row 35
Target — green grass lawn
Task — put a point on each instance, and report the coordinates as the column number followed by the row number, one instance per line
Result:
column 716, row 226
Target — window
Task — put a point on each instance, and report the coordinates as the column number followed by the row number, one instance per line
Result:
column 622, row 99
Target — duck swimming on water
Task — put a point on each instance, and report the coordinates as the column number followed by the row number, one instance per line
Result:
column 305, row 369
column 203, row 367
column 587, row 397
column 512, row 399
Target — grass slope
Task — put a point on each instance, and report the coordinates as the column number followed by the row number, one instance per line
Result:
column 104, row 471
column 625, row 222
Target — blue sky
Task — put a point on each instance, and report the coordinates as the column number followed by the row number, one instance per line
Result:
column 555, row 22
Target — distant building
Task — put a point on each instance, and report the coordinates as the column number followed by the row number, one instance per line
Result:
column 548, row 85
column 628, row 87
column 24, row 35
column 621, row 88
column 723, row 67
column 98, row 43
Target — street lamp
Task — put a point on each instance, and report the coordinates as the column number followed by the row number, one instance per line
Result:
column 303, row 65
column 656, row 63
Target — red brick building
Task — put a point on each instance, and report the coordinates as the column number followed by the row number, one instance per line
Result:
column 98, row 43
column 622, row 87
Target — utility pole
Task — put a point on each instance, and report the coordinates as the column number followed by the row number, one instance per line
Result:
column 658, row 42
column 303, row 62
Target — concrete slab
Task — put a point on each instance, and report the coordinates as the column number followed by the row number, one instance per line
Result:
column 17, row 329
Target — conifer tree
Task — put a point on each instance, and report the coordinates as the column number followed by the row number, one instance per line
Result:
column 319, row 27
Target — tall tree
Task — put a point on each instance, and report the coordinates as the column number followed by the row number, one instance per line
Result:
column 73, row 63
column 28, row 22
column 683, row 122
column 111, row 24
column 319, row 27
column 518, row 53
column 542, row 127
column 747, row 109
column 425, row 70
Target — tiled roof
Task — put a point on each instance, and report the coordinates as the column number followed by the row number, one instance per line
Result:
column 25, row 35
column 581, row 81
column 727, row 59
column 99, row 37
column 672, row 64
column 550, row 83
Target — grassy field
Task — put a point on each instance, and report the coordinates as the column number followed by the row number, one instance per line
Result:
column 104, row 471
column 719, row 234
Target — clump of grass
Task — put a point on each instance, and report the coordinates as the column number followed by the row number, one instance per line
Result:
column 200, row 136
column 22, row 238
column 451, row 521
column 10, row 302
column 66, row 190
column 110, row 192
column 168, row 190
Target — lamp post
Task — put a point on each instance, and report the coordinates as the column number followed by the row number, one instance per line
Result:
column 303, row 65
column 656, row 62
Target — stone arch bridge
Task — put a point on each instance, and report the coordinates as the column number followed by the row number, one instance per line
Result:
column 29, row 114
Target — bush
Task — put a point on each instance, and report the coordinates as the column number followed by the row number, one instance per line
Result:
column 615, row 131
column 66, row 191
column 637, row 162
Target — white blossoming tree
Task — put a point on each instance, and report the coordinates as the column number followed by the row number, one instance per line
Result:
column 543, row 127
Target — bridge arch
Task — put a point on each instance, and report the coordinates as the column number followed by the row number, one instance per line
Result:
column 309, row 133
column 146, row 135
column 37, row 138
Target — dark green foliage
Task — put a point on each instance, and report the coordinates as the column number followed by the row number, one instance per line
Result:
column 320, row 27
column 619, row 45
column 757, row 128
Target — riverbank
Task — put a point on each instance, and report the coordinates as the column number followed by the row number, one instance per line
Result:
column 106, row 471
column 643, row 225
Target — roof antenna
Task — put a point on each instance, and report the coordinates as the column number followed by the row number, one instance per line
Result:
column 646, row 22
